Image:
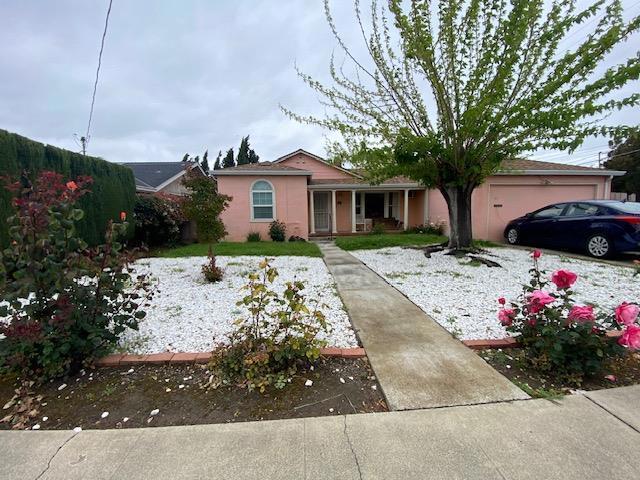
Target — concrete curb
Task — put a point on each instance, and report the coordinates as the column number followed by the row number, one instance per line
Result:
column 190, row 358
column 511, row 342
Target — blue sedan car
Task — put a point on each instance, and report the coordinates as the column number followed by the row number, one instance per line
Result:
column 601, row 228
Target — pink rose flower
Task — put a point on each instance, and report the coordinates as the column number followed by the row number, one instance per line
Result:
column 611, row 378
column 506, row 316
column 581, row 314
column 536, row 254
column 502, row 301
column 627, row 313
column 71, row 185
column 563, row 279
column 538, row 299
column 631, row 337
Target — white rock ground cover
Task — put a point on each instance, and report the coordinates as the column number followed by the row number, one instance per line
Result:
column 187, row 314
column 463, row 297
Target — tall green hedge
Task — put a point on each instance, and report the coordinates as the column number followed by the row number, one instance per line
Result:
column 113, row 189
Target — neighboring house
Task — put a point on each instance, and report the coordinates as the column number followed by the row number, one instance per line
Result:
column 165, row 177
column 314, row 198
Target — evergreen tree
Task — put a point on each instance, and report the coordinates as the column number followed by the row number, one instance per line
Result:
column 625, row 155
column 205, row 162
column 217, row 164
column 243, row 151
column 185, row 158
column 253, row 158
column 228, row 160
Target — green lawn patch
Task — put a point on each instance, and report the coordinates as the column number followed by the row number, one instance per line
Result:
column 232, row 249
column 368, row 242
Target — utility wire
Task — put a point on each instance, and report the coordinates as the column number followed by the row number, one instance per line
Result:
column 95, row 83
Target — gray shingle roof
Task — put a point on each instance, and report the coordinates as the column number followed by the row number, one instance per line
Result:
column 154, row 174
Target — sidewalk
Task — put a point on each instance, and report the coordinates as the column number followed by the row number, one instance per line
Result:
column 417, row 362
column 578, row 437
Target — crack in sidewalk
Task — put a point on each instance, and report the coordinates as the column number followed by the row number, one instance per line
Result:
column 46, row 469
column 611, row 413
column 353, row 451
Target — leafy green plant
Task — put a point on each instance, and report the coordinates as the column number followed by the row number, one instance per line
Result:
column 279, row 334
column 203, row 204
column 254, row 237
column 66, row 304
column 561, row 337
column 377, row 229
column 158, row 220
column 277, row 231
column 212, row 273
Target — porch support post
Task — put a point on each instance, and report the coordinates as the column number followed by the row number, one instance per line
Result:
column 312, row 214
column 386, row 205
column 405, row 217
column 426, row 207
column 353, row 211
column 334, row 224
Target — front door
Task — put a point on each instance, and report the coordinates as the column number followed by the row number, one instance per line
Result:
column 322, row 210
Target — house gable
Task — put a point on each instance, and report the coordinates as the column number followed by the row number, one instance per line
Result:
column 319, row 168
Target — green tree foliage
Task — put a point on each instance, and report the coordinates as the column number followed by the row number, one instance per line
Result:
column 205, row 162
column 218, row 165
column 113, row 190
column 471, row 84
column 243, row 152
column 625, row 155
column 246, row 154
column 228, row 160
column 203, row 204
column 185, row 158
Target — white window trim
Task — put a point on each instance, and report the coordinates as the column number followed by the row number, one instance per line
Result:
column 273, row 202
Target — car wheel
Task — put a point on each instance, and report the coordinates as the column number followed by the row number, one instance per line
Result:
column 512, row 236
column 599, row 246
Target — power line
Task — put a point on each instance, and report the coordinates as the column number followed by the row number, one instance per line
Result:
column 85, row 139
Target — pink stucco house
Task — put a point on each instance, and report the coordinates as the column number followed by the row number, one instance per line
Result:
column 314, row 198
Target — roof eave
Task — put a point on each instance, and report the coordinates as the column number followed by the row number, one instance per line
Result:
column 595, row 173
column 239, row 173
column 364, row 186
column 316, row 157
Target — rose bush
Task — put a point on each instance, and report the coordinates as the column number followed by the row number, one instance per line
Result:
column 558, row 335
column 64, row 304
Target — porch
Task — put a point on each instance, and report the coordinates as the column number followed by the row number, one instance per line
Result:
column 352, row 211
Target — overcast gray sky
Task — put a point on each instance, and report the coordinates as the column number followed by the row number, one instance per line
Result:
column 179, row 76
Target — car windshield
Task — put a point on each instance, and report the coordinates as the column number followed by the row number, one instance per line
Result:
column 628, row 207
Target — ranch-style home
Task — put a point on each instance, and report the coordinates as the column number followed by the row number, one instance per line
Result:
column 315, row 198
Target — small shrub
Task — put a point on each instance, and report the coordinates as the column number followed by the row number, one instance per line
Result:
column 254, row 237
column 296, row 238
column 377, row 229
column 433, row 228
column 80, row 300
column 212, row 273
column 158, row 220
column 277, row 231
column 278, row 335
column 561, row 337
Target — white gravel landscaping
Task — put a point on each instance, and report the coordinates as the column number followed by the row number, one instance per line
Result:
column 463, row 298
column 187, row 313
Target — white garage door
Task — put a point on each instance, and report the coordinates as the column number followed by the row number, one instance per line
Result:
column 507, row 202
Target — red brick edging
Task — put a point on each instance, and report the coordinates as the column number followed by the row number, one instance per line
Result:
column 185, row 358
column 510, row 342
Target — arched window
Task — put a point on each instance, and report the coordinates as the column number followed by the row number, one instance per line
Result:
column 263, row 206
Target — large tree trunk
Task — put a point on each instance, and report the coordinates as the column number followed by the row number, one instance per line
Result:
column 459, row 203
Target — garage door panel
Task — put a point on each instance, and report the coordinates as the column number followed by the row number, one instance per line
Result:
column 507, row 202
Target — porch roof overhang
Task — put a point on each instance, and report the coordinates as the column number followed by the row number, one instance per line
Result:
column 365, row 186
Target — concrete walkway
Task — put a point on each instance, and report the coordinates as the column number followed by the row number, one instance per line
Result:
column 417, row 362
column 575, row 438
